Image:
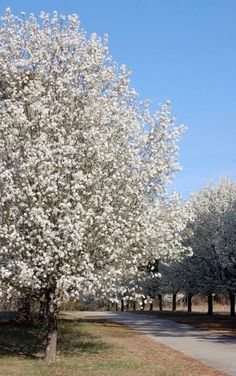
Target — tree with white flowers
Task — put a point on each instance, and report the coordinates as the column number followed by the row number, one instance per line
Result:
column 226, row 244
column 211, row 235
column 83, row 165
column 123, row 285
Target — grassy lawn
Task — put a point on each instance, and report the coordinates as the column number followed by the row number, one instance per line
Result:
column 91, row 348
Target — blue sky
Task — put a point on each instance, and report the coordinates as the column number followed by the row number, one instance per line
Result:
column 180, row 50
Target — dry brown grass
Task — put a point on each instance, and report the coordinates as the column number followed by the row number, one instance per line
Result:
column 202, row 307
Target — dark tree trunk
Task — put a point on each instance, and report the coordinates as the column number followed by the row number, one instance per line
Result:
column 42, row 305
column 24, row 310
column 127, row 305
column 42, row 309
column 232, row 304
column 210, row 304
column 117, row 307
column 122, row 305
column 109, row 306
column 51, row 346
column 174, row 302
column 190, row 302
column 160, row 302
column 151, row 306
column 143, row 304
column 134, row 305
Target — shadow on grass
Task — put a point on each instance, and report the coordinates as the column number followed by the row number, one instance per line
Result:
column 74, row 339
column 22, row 340
column 28, row 340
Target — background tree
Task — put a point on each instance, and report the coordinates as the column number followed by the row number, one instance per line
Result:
column 213, row 207
column 210, row 234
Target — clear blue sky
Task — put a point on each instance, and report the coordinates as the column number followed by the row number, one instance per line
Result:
column 182, row 50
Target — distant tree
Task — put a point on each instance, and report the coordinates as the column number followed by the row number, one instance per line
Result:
column 212, row 239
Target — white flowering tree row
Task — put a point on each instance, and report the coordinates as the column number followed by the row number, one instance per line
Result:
column 143, row 286
column 83, row 167
column 211, row 234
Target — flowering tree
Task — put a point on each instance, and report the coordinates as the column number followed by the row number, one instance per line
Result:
column 211, row 236
column 83, row 166
column 143, row 282
column 226, row 244
column 171, row 281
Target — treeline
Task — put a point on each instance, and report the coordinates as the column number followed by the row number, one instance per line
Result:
column 209, row 269
column 211, row 234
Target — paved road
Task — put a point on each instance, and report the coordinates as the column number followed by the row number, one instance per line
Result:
column 215, row 350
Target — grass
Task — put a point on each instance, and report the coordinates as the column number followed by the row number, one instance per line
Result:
column 202, row 307
column 91, row 348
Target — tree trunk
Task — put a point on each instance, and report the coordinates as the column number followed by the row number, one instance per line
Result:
column 24, row 310
column 117, row 308
column 42, row 308
column 51, row 346
column 51, row 310
column 127, row 305
column 151, row 306
column 174, row 302
column 232, row 304
column 122, row 305
column 210, row 304
column 190, row 302
column 134, row 305
column 109, row 306
column 143, row 305
column 160, row 302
